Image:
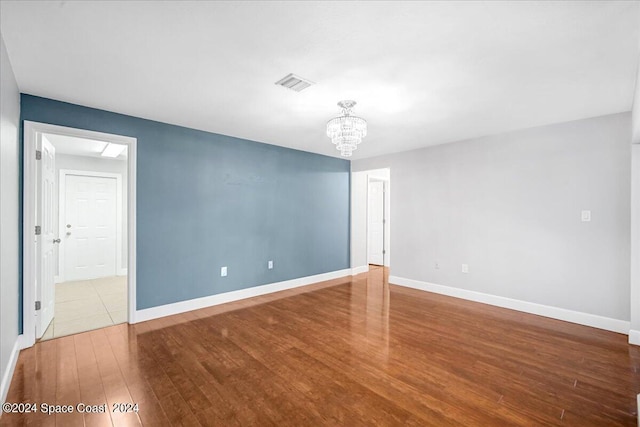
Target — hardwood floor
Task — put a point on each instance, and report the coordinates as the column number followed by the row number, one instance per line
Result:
column 353, row 351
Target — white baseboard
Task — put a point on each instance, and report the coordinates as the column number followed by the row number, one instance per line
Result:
column 593, row 320
column 197, row 303
column 22, row 341
column 359, row 270
column 8, row 373
column 122, row 272
column 634, row 337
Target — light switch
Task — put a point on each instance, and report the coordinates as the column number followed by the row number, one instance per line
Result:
column 586, row 216
column 270, row 265
column 223, row 272
column 465, row 268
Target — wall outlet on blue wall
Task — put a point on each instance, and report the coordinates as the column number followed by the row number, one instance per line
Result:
column 259, row 184
column 270, row 265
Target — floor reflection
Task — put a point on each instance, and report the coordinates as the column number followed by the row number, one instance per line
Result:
column 370, row 313
column 332, row 353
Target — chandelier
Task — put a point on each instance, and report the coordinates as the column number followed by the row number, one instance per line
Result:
column 346, row 131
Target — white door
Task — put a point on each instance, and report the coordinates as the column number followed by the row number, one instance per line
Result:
column 376, row 222
column 89, row 229
column 45, row 256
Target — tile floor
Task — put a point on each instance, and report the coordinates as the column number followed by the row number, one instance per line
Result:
column 88, row 304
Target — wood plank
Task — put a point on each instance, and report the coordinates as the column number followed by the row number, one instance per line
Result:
column 356, row 351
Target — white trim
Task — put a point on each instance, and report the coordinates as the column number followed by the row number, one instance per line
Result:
column 122, row 272
column 31, row 131
column 8, row 373
column 359, row 270
column 132, row 177
column 634, row 295
column 23, row 342
column 593, row 320
column 197, row 303
column 634, row 337
column 62, row 202
column 28, row 243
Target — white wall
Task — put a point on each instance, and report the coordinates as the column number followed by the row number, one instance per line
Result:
column 96, row 164
column 635, row 123
column 634, row 335
column 509, row 206
column 358, row 219
column 9, row 125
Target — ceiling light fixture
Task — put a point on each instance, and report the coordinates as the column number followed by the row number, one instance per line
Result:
column 113, row 150
column 346, row 131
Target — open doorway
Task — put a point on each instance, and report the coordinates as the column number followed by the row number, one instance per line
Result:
column 79, row 201
column 376, row 221
column 370, row 219
column 378, row 210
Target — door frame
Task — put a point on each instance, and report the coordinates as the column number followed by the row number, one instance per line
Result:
column 62, row 193
column 386, row 244
column 30, row 136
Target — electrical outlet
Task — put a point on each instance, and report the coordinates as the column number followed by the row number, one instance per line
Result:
column 223, row 272
column 586, row 216
column 270, row 265
column 465, row 268
column 436, row 265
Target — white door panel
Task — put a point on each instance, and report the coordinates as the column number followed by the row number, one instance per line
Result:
column 90, row 227
column 45, row 255
column 376, row 222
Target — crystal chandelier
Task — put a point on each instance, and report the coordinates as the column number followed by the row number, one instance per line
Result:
column 346, row 131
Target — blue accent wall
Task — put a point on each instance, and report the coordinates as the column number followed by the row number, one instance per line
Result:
column 206, row 200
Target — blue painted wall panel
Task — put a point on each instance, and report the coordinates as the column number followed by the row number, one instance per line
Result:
column 206, row 200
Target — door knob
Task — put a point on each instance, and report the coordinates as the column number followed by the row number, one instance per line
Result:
column 56, row 240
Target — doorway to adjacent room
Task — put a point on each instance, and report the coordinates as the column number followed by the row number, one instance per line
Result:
column 78, row 195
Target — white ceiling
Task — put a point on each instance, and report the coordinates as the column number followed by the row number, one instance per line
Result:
column 81, row 147
column 423, row 73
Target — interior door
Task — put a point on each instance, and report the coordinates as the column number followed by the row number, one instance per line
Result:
column 376, row 222
column 89, row 227
column 45, row 256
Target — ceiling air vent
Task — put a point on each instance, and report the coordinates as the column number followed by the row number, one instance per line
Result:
column 293, row 82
